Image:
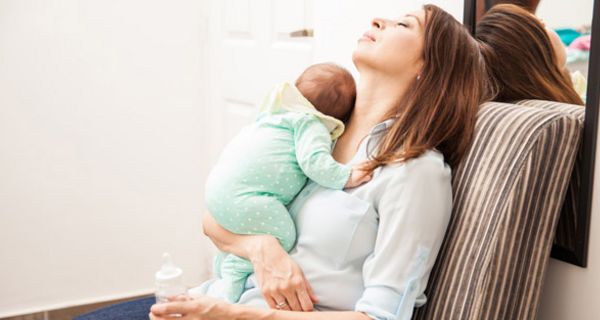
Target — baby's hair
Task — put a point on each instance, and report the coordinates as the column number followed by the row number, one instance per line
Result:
column 330, row 88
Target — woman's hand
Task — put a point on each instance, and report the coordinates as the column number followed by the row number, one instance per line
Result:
column 281, row 280
column 360, row 174
column 201, row 308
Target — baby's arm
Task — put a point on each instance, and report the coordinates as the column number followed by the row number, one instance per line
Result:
column 313, row 152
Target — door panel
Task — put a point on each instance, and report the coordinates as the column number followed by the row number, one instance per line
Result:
column 251, row 51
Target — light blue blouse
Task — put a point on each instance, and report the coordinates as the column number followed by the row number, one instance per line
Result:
column 370, row 248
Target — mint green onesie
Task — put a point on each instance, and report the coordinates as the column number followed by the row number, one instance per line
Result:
column 263, row 168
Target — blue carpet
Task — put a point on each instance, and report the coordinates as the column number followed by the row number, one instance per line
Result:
column 130, row 310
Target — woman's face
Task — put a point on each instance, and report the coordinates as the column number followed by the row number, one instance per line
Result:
column 559, row 48
column 394, row 47
column 557, row 45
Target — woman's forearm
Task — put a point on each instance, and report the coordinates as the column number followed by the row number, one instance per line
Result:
column 245, row 246
column 251, row 313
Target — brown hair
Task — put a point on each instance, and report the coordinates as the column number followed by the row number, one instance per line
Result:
column 521, row 58
column 330, row 88
column 440, row 106
column 529, row 5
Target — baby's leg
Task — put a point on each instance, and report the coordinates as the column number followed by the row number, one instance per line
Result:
column 234, row 272
column 257, row 215
column 261, row 215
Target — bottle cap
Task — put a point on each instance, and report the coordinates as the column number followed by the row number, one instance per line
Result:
column 168, row 273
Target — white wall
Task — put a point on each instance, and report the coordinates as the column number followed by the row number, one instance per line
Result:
column 572, row 292
column 566, row 14
column 101, row 148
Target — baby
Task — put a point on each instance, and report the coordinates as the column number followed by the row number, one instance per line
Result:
column 265, row 166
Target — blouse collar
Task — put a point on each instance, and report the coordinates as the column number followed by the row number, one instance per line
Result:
column 382, row 126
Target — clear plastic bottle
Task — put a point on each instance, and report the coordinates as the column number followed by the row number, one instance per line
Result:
column 169, row 281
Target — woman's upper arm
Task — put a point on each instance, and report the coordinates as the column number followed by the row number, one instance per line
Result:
column 414, row 211
column 248, row 246
column 208, row 223
column 225, row 240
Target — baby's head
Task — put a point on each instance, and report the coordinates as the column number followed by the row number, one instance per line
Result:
column 330, row 88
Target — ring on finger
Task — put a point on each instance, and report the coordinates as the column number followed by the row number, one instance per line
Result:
column 280, row 305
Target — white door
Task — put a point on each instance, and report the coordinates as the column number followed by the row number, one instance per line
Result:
column 253, row 46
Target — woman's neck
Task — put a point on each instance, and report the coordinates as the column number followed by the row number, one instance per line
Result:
column 375, row 102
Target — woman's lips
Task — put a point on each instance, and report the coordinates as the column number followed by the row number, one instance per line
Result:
column 368, row 36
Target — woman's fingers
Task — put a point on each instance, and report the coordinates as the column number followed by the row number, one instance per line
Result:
column 269, row 295
column 302, row 289
column 304, row 298
column 313, row 297
column 292, row 298
column 270, row 301
column 169, row 317
column 280, row 301
column 200, row 308
column 180, row 298
column 176, row 307
column 293, row 303
column 311, row 293
column 153, row 317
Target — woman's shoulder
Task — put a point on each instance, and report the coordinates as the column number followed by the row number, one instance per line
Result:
column 421, row 182
column 429, row 164
column 432, row 156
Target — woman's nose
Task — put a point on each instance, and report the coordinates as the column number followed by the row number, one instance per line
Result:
column 378, row 23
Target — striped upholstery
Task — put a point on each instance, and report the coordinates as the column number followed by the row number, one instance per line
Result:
column 508, row 192
column 566, row 230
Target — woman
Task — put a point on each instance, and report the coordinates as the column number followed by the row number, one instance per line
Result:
column 526, row 60
column 369, row 250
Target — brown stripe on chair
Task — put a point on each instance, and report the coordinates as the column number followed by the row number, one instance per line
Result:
column 508, row 193
column 566, row 230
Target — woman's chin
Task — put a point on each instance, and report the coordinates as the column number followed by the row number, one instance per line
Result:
column 363, row 61
column 359, row 56
column 356, row 60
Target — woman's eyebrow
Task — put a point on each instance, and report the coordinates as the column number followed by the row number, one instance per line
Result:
column 416, row 18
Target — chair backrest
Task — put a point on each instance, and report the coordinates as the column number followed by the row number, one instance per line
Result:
column 508, row 193
column 568, row 224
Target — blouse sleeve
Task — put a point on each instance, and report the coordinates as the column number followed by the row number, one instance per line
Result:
column 414, row 210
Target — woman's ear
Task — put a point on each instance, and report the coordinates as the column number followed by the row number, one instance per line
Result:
column 420, row 70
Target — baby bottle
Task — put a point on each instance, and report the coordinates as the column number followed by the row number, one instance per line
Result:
column 168, row 280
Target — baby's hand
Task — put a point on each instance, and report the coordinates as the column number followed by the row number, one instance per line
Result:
column 359, row 176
